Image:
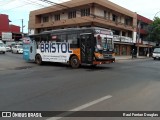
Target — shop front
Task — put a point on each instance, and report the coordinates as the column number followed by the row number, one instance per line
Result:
column 144, row 50
column 123, row 49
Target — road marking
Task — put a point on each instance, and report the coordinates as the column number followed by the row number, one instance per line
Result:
column 80, row 107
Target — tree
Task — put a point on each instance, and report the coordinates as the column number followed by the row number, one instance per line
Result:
column 154, row 30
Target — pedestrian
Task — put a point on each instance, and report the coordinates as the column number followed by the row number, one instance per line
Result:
column 132, row 53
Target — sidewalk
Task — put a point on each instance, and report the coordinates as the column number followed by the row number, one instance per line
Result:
column 130, row 57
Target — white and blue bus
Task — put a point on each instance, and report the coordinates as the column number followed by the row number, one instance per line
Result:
column 75, row 46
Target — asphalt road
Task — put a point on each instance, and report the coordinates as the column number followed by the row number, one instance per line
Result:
column 130, row 85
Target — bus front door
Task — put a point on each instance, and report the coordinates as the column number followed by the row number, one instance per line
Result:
column 32, row 50
column 86, row 48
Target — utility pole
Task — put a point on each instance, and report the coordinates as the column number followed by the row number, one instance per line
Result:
column 22, row 28
column 138, row 39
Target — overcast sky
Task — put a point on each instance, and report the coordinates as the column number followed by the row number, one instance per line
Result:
column 19, row 9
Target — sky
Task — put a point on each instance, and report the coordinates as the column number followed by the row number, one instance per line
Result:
column 19, row 9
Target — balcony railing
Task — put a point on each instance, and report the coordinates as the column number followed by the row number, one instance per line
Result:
column 118, row 38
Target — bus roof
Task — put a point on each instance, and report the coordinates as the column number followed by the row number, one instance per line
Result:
column 75, row 29
column 66, row 30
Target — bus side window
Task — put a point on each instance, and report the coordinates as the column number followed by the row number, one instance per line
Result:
column 73, row 40
column 58, row 39
column 61, row 38
column 37, row 39
column 46, row 37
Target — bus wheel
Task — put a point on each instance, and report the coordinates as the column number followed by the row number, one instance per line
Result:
column 38, row 59
column 74, row 62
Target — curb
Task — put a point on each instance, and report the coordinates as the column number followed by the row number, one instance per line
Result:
column 132, row 58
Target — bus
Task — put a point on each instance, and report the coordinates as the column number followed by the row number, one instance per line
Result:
column 75, row 46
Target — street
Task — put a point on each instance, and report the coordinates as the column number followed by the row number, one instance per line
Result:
column 126, row 85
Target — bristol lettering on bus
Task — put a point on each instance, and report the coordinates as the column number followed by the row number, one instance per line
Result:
column 55, row 47
column 75, row 46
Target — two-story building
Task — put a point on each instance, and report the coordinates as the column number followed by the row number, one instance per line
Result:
column 143, row 44
column 87, row 13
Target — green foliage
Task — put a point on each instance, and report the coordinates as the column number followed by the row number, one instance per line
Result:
column 154, row 30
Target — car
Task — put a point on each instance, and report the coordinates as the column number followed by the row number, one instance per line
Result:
column 156, row 53
column 8, row 48
column 2, row 47
column 17, row 49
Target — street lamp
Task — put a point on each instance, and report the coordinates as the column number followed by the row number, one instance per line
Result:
column 22, row 26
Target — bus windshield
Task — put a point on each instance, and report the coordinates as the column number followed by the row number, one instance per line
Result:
column 104, row 43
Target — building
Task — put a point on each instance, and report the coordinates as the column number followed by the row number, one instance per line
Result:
column 87, row 13
column 8, row 32
column 143, row 44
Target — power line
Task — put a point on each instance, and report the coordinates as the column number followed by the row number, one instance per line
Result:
column 27, row 3
column 35, row 3
column 64, row 6
column 14, row 7
column 51, row 3
column 41, row 5
column 7, row 2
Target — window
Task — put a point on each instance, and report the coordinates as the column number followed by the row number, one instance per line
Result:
column 109, row 43
column 124, row 50
column 58, row 38
column 117, row 49
column 123, row 33
column 128, row 21
column 114, row 18
column 45, row 19
column 72, row 39
column 72, row 14
column 57, row 17
column 61, row 38
column 85, row 12
column 1, row 44
column 105, row 14
column 45, row 37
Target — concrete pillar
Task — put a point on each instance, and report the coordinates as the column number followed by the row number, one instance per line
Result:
column 120, row 33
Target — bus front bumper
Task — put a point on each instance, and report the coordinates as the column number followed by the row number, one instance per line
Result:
column 104, row 61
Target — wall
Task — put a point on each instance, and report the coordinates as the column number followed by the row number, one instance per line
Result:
column 5, row 27
column 14, row 28
column 4, row 23
column 99, row 12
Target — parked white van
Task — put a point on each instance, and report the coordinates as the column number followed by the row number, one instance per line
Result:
column 156, row 53
column 17, row 49
column 2, row 47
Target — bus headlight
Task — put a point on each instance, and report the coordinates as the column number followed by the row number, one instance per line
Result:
column 100, row 56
